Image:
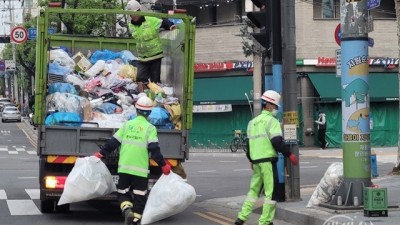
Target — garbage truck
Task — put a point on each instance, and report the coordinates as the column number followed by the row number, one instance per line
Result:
column 60, row 144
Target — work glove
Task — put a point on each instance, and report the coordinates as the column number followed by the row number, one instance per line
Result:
column 98, row 155
column 293, row 159
column 166, row 169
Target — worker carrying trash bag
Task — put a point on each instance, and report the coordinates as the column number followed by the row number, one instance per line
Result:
column 265, row 140
column 137, row 138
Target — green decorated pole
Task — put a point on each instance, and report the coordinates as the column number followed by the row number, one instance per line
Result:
column 355, row 103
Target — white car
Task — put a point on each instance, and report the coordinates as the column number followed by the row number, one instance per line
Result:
column 11, row 113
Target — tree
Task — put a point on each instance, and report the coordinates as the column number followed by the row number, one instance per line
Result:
column 250, row 46
column 82, row 24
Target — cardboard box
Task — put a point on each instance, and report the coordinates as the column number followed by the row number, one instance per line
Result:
column 82, row 63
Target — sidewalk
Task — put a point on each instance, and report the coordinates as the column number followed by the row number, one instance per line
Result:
column 297, row 213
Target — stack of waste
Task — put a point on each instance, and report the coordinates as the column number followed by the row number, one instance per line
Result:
column 101, row 88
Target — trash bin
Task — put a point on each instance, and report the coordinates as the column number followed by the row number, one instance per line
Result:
column 374, row 166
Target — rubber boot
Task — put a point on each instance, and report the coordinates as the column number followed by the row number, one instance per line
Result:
column 239, row 222
column 129, row 217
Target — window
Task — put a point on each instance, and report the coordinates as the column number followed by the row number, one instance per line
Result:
column 330, row 9
column 326, row 9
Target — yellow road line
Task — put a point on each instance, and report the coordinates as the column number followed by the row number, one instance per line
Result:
column 221, row 216
column 219, row 219
column 212, row 218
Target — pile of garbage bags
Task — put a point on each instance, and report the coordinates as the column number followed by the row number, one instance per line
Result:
column 101, row 89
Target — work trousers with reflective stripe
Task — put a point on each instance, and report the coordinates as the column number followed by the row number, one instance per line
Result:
column 263, row 177
column 133, row 189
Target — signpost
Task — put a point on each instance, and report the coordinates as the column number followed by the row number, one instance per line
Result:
column 10, row 65
column 19, row 35
column 372, row 4
column 2, row 66
column 32, row 32
column 337, row 34
column 338, row 54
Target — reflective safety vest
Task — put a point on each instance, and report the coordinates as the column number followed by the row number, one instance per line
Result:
column 260, row 131
column 134, row 137
column 148, row 41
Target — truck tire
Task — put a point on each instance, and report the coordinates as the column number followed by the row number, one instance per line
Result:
column 47, row 206
column 62, row 208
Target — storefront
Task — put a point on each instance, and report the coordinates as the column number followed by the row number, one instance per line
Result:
column 221, row 105
column 221, row 96
column 384, row 106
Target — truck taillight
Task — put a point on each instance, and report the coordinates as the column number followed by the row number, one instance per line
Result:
column 55, row 181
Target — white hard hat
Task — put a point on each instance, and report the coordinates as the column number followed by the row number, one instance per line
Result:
column 272, row 97
column 144, row 103
column 133, row 5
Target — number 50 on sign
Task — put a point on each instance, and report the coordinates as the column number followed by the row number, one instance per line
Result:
column 19, row 35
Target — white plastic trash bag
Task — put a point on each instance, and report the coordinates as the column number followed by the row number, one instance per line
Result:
column 328, row 185
column 170, row 195
column 88, row 179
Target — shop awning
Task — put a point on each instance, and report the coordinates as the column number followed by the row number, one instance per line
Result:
column 383, row 86
column 222, row 90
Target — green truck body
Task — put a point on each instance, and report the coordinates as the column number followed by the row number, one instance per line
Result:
column 58, row 146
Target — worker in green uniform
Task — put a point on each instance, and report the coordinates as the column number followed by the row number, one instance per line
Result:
column 146, row 31
column 265, row 140
column 137, row 140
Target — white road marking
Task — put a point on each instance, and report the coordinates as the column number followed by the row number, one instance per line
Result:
column 237, row 170
column 207, row 171
column 33, row 193
column 3, row 149
column 12, row 152
column 22, row 207
column 31, row 152
column 307, row 167
column 20, row 149
column 3, row 194
column 190, row 160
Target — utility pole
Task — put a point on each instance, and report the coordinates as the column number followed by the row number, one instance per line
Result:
column 397, row 4
column 355, row 104
column 290, row 94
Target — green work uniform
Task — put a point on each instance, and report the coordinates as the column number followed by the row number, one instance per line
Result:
column 148, row 41
column 260, row 131
column 134, row 137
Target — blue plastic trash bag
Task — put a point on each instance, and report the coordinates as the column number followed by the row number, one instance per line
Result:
column 62, row 118
column 104, row 55
column 159, row 116
column 107, row 108
column 167, row 126
column 127, row 56
column 62, row 88
column 57, row 69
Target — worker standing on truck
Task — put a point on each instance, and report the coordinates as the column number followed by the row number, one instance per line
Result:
column 137, row 140
column 145, row 30
column 265, row 139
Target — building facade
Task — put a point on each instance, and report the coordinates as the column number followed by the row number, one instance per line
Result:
column 224, row 82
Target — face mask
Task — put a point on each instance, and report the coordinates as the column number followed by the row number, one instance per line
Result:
column 274, row 112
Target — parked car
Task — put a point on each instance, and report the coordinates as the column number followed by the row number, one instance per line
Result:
column 5, row 100
column 4, row 104
column 11, row 113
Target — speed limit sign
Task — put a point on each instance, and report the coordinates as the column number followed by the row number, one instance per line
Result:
column 19, row 35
